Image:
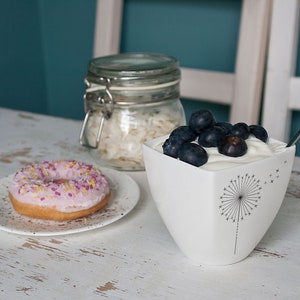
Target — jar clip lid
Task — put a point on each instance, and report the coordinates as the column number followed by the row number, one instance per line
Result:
column 107, row 111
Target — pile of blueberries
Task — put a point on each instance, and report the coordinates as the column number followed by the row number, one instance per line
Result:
column 188, row 142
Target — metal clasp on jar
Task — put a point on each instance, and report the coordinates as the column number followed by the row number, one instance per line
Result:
column 107, row 107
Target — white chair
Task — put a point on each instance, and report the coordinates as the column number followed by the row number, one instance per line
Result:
column 108, row 24
column 282, row 90
column 241, row 89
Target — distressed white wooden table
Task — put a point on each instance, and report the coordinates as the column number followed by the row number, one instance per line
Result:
column 135, row 257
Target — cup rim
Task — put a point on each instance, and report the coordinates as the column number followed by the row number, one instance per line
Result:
column 153, row 142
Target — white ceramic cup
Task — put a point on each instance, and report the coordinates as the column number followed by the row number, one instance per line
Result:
column 217, row 217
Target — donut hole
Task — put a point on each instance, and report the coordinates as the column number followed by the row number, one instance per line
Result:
column 60, row 180
column 56, row 180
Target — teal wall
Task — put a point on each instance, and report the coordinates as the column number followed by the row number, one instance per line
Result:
column 46, row 45
column 207, row 41
column 67, row 39
column 22, row 71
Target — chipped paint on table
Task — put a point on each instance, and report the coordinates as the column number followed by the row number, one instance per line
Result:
column 135, row 257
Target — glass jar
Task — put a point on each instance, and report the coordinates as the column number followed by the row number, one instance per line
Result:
column 130, row 98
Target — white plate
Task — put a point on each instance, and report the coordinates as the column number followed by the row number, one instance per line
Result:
column 124, row 197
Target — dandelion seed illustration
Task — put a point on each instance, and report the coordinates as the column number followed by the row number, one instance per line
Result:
column 238, row 200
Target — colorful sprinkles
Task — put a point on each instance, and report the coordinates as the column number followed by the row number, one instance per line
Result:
column 59, row 180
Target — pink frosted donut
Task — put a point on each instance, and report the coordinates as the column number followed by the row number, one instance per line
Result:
column 58, row 190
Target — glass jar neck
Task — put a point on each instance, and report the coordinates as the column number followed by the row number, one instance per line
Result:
column 131, row 96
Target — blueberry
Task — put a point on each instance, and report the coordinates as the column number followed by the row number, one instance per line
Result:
column 233, row 146
column 225, row 125
column 193, row 154
column 211, row 136
column 182, row 134
column 171, row 148
column 240, row 129
column 200, row 120
column 259, row 132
